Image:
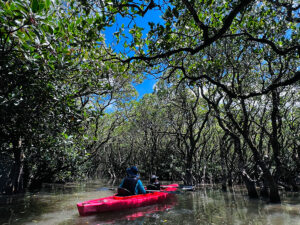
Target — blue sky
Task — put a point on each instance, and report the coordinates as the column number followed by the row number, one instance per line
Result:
column 146, row 86
column 153, row 16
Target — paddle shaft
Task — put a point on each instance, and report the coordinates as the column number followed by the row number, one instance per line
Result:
column 170, row 192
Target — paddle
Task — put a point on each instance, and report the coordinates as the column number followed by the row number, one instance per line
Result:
column 106, row 189
column 113, row 189
column 170, row 192
column 187, row 188
column 183, row 187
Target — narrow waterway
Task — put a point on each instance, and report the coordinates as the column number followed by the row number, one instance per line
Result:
column 56, row 204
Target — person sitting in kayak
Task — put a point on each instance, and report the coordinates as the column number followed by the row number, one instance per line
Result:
column 154, row 183
column 131, row 185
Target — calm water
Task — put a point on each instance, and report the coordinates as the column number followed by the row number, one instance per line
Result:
column 56, row 204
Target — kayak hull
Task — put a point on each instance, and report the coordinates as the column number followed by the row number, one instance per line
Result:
column 117, row 203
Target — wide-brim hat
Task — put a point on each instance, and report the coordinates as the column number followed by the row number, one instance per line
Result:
column 133, row 171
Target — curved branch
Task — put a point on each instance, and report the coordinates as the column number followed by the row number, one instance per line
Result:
column 196, row 18
column 273, row 46
column 141, row 11
column 232, row 94
column 226, row 24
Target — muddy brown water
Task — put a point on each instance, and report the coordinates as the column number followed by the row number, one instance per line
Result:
column 56, row 205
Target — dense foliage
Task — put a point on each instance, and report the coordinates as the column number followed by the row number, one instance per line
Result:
column 54, row 80
column 225, row 108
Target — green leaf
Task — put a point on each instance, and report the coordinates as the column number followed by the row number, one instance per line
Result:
column 35, row 6
column 47, row 4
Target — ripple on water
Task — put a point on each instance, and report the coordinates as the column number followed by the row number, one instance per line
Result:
column 57, row 206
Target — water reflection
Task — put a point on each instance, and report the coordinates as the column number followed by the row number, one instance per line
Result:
column 216, row 207
column 52, row 205
column 56, row 204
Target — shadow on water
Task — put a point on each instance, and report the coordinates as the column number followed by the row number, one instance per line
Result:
column 56, row 204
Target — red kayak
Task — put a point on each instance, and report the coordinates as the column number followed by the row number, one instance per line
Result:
column 115, row 203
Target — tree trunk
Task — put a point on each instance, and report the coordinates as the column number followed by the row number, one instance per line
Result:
column 250, row 184
column 274, row 135
column 224, row 181
column 203, row 175
column 264, row 191
column 229, row 180
column 274, row 194
column 223, row 165
column 188, row 171
column 14, row 184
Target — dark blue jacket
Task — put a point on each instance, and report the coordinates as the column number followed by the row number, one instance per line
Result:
column 134, row 185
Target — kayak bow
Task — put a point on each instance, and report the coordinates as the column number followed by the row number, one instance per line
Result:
column 116, row 203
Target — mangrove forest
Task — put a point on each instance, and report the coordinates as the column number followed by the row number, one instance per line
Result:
column 224, row 109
